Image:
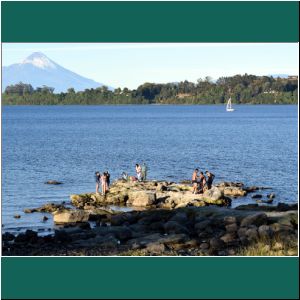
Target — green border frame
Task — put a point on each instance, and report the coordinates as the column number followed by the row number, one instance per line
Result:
column 150, row 278
column 163, row 21
column 161, row 277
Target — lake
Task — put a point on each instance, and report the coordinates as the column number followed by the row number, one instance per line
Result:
column 257, row 145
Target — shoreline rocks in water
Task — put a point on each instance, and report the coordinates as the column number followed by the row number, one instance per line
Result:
column 151, row 194
column 209, row 230
column 166, row 219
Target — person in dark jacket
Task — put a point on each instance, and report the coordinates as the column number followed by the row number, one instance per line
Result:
column 210, row 179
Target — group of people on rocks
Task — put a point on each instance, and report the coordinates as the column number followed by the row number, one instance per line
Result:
column 200, row 182
column 102, row 180
column 141, row 173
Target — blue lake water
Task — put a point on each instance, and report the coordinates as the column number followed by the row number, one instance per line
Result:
column 257, row 145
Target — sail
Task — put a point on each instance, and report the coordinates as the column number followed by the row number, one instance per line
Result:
column 229, row 103
column 229, row 106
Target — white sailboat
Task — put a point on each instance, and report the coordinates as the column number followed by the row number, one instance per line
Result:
column 229, row 106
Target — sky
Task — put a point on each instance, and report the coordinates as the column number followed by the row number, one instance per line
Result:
column 130, row 65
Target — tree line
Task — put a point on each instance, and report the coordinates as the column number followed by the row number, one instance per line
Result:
column 243, row 89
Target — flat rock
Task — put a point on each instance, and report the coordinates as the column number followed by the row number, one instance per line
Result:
column 70, row 216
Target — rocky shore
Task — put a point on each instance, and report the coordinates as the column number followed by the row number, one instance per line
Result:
column 166, row 219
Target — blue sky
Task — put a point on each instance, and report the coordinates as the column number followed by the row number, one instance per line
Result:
column 129, row 65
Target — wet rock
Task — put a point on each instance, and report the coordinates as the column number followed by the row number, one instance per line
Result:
column 269, row 201
column 53, row 182
column 29, row 236
column 17, row 216
column 8, row 237
column 283, row 207
column 180, row 217
column 174, row 227
column 70, row 216
column 247, row 207
column 29, row 210
column 202, row 226
column 62, row 236
column 252, row 189
column 256, row 196
column 85, row 225
column 45, row 219
column 109, row 242
column 254, row 219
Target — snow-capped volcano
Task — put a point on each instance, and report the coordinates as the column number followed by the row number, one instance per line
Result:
column 38, row 70
column 39, row 60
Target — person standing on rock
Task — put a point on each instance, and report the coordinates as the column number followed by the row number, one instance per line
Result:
column 201, row 183
column 144, row 171
column 138, row 170
column 104, row 183
column 98, row 181
column 194, row 180
column 107, row 180
column 210, row 179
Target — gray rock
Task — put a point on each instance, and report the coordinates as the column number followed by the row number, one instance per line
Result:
column 70, row 216
column 231, row 227
column 155, row 248
column 53, row 182
column 202, row 226
column 204, row 246
column 214, row 194
column 265, row 231
column 229, row 220
column 141, row 198
column 254, row 219
column 242, row 232
column 174, row 227
column 216, row 243
column 252, row 234
column 228, row 238
column 8, row 237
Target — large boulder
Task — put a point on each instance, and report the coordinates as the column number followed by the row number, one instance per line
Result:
column 214, row 193
column 70, row 216
column 141, row 198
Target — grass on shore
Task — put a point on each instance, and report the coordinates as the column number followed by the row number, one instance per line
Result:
column 274, row 247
